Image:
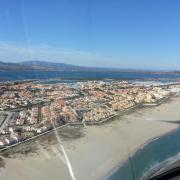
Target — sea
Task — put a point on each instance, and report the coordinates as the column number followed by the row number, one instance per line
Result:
column 154, row 154
column 81, row 75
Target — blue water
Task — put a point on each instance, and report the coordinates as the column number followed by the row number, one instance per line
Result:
column 151, row 155
column 9, row 75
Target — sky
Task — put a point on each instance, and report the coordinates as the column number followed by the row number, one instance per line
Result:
column 141, row 34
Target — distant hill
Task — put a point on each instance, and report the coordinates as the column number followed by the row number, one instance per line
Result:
column 38, row 66
column 50, row 66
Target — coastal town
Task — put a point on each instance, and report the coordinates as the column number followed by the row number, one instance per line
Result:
column 30, row 109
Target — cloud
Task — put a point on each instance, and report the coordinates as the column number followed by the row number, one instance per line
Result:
column 12, row 52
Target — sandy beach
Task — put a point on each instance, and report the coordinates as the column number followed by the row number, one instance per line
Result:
column 93, row 151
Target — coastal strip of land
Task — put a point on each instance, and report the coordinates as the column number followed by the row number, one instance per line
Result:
column 101, row 149
column 55, row 128
column 32, row 110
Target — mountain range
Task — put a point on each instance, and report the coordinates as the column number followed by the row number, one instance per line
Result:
column 51, row 66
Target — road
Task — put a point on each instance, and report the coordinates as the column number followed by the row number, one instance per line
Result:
column 9, row 116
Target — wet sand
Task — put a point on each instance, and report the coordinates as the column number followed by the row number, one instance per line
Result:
column 95, row 151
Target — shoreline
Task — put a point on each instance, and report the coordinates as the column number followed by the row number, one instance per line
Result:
column 142, row 146
column 137, row 148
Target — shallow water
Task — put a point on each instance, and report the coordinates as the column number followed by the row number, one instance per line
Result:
column 148, row 157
